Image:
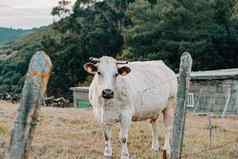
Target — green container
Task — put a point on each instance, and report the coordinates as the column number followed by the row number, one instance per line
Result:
column 83, row 103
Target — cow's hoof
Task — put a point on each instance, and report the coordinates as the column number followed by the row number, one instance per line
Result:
column 107, row 157
column 156, row 148
column 107, row 153
column 125, row 156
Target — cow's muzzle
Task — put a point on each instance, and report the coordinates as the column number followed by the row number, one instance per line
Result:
column 107, row 93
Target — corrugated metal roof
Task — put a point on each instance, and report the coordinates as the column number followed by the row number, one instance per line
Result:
column 215, row 74
column 80, row 89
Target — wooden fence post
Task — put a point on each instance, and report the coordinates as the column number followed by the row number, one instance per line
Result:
column 210, row 128
column 180, row 114
column 31, row 98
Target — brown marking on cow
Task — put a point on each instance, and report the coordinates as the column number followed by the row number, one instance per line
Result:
column 123, row 140
column 135, row 118
column 106, row 137
column 141, row 118
column 164, row 155
column 152, row 120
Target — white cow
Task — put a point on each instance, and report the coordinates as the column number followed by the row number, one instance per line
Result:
column 132, row 92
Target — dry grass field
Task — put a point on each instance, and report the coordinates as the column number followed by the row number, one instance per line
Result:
column 73, row 134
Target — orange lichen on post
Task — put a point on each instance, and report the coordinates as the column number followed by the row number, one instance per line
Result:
column 37, row 71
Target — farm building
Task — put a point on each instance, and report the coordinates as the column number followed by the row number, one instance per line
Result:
column 210, row 91
column 214, row 91
column 80, row 97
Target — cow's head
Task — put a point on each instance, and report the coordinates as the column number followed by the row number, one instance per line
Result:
column 106, row 71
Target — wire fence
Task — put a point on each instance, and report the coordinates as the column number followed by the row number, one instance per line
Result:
column 210, row 136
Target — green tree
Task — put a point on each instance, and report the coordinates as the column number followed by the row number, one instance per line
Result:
column 89, row 31
column 171, row 27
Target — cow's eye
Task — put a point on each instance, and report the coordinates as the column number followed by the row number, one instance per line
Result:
column 116, row 74
column 99, row 73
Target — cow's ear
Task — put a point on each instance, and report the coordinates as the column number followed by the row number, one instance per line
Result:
column 124, row 70
column 90, row 68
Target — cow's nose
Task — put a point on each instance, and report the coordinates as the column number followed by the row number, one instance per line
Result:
column 107, row 93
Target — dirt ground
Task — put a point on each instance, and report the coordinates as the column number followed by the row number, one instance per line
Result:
column 69, row 133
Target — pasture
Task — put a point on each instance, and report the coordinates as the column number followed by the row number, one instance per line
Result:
column 70, row 133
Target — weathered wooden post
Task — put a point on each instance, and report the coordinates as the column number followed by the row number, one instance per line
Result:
column 180, row 114
column 27, row 114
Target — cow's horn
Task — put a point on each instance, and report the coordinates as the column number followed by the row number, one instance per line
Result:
column 94, row 60
column 122, row 62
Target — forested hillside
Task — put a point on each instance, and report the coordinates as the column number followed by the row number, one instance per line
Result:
column 12, row 70
column 9, row 34
column 133, row 30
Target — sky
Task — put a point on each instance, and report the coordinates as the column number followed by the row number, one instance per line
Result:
column 26, row 14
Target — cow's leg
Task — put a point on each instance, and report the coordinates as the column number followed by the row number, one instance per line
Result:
column 155, row 135
column 168, row 114
column 125, row 125
column 108, row 146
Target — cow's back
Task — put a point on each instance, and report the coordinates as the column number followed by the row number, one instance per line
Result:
column 149, row 86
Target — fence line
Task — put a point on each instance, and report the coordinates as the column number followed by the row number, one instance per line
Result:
column 209, row 149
